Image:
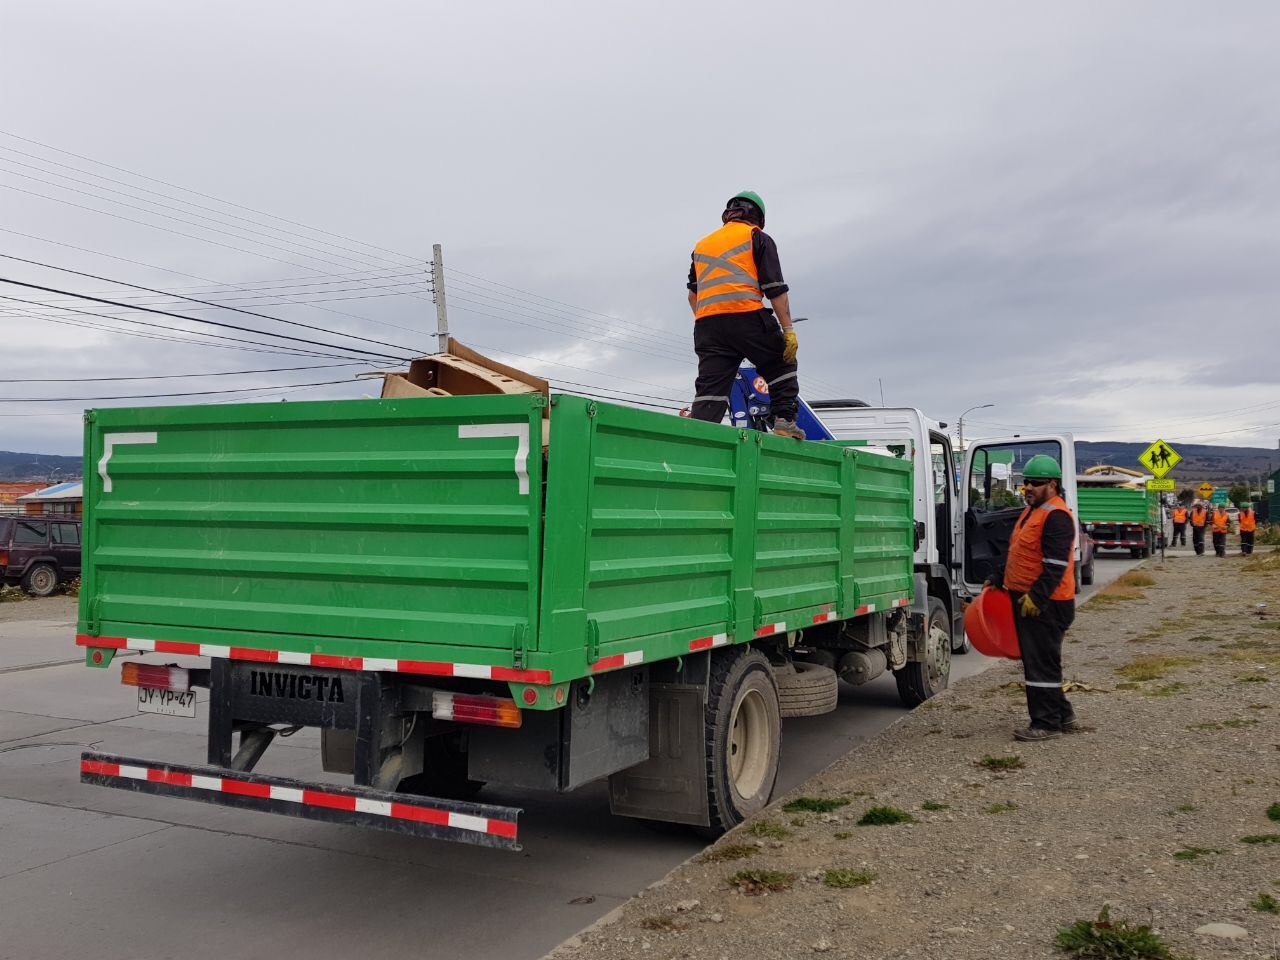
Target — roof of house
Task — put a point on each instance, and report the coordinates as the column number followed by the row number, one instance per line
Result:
column 59, row 491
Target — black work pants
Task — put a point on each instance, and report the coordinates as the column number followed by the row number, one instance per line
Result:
column 722, row 341
column 1197, row 538
column 1041, row 641
column 1246, row 541
column 1220, row 544
column 1179, row 531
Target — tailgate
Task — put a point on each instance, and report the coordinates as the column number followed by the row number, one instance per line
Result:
column 372, row 528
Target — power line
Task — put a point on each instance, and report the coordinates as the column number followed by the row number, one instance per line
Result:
column 184, row 376
column 153, row 396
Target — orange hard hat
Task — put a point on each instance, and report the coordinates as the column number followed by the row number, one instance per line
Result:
column 989, row 623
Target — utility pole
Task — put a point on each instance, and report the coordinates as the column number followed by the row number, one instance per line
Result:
column 437, row 294
column 960, row 425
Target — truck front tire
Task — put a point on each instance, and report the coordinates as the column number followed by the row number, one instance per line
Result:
column 743, row 736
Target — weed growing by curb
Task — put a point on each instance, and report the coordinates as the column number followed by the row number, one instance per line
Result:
column 1108, row 939
column 1260, row 838
column 768, row 830
column 1252, row 678
column 1011, row 762
column 1151, row 667
column 884, row 816
column 1265, row 903
column 932, row 805
column 729, row 851
column 1001, row 808
column 1187, row 854
column 815, row 804
column 842, row 879
column 755, row 882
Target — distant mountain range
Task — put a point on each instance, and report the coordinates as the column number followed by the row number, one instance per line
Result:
column 1200, row 462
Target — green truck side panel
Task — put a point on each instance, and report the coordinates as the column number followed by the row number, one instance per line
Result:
column 398, row 529
column 1118, row 505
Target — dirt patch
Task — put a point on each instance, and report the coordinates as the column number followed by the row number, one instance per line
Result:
column 16, row 605
column 1164, row 811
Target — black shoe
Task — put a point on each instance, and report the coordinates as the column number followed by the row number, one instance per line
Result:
column 1072, row 726
column 1036, row 733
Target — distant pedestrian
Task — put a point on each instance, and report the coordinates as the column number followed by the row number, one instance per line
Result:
column 1248, row 524
column 1039, row 574
column 1199, row 517
column 1179, row 525
column 1221, row 524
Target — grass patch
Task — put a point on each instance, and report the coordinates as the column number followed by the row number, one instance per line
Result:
column 729, row 851
column 1202, row 638
column 932, row 805
column 1184, row 808
column 1253, row 678
column 842, row 835
column 1168, row 690
column 1136, row 578
column 1273, row 812
column 768, row 830
column 755, row 882
column 1261, row 838
column 1107, row 939
column 1152, row 667
column 1001, row 808
column 1239, row 722
column 1205, row 726
column 1187, row 854
column 1259, row 706
column 1010, row 762
column 816, row 804
column 1112, row 594
column 1128, row 685
column 884, row 817
column 1265, row 903
column 662, row 922
column 843, row 879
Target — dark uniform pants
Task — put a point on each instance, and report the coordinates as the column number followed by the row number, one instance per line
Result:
column 1220, row 544
column 1197, row 538
column 722, row 341
column 1246, row 541
column 1179, row 531
column 1041, row 641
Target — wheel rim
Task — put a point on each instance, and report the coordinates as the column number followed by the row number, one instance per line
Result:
column 42, row 581
column 749, row 744
column 939, row 653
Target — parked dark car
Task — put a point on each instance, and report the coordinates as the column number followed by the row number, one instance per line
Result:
column 39, row 553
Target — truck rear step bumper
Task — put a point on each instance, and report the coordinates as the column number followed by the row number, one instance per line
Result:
column 438, row 819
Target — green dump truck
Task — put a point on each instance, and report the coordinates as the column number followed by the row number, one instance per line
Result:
column 1121, row 518
column 514, row 590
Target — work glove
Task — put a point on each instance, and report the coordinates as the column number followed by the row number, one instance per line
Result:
column 791, row 345
column 1027, row 607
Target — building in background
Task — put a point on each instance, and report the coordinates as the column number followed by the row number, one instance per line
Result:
column 64, row 499
column 10, row 491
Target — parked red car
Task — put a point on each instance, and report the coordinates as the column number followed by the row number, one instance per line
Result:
column 39, row 553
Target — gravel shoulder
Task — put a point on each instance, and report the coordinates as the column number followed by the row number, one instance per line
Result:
column 1145, row 812
column 16, row 605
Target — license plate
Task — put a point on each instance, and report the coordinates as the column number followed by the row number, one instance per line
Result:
column 169, row 702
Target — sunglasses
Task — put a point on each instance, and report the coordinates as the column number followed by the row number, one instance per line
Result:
column 1034, row 483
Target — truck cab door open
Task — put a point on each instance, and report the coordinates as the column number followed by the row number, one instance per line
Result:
column 991, row 493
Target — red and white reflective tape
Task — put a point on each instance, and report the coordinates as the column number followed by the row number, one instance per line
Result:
column 824, row 617
column 305, row 797
column 865, row 609
column 770, row 629
column 618, row 660
column 902, row 601
column 706, row 643
column 427, row 667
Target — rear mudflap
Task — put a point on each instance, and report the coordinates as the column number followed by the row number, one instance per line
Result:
column 438, row 819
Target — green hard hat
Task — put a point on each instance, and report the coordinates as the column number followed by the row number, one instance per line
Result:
column 1042, row 467
column 752, row 196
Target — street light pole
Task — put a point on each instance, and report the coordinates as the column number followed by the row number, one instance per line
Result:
column 960, row 424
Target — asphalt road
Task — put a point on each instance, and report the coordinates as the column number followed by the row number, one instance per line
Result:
column 87, row 871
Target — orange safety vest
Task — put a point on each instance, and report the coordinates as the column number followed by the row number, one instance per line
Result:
column 1026, row 557
column 1221, row 522
column 1248, row 521
column 725, row 270
column 1180, row 515
column 1198, row 516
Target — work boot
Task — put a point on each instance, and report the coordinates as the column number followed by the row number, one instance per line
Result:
column 1073, row 725
column 1036, row 733
column 787, row 428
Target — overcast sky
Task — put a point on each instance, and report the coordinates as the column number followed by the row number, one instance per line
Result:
column 1071, row 211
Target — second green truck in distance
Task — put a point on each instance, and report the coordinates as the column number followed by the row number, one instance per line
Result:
column 1120, row 517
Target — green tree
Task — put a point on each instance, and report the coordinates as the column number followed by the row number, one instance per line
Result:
column 1238, row 493
column 1186, row 495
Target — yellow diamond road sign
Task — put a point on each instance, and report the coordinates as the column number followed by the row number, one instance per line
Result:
column 1160, row 458
column 1206, row 490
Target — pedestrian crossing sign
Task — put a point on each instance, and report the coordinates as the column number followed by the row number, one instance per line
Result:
column 1160, row 458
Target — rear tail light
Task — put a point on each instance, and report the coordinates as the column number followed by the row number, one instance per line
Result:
column 4, row 558
column 156, row 676
column 466, row 708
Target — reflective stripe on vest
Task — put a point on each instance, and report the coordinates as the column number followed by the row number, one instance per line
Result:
column 1248, row 521
column 1026, row 555
column 1198, row 518
column 725, row 270
column 1221, row 522
column 1180, row 515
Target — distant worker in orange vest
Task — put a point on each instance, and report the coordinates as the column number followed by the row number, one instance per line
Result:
column 1199, row 516
column 1248, row 524
column 733, row 269
column 1221, row 524
column 1039, row 574
column 1179, row 525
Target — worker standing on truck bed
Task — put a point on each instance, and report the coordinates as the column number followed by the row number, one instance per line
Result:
column 1221, row 524
column 1039, row 574
column 1198, row 518
column 1179, row 525
column 1248, row 524
column 733, row 269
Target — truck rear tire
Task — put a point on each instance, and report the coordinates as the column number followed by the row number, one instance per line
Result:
column 743, row 737
column 41, row 580
column 806, row 689
column 920, row 680
column 1086, row 573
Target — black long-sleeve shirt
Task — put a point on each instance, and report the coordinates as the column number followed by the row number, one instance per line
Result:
column 1057, row 543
